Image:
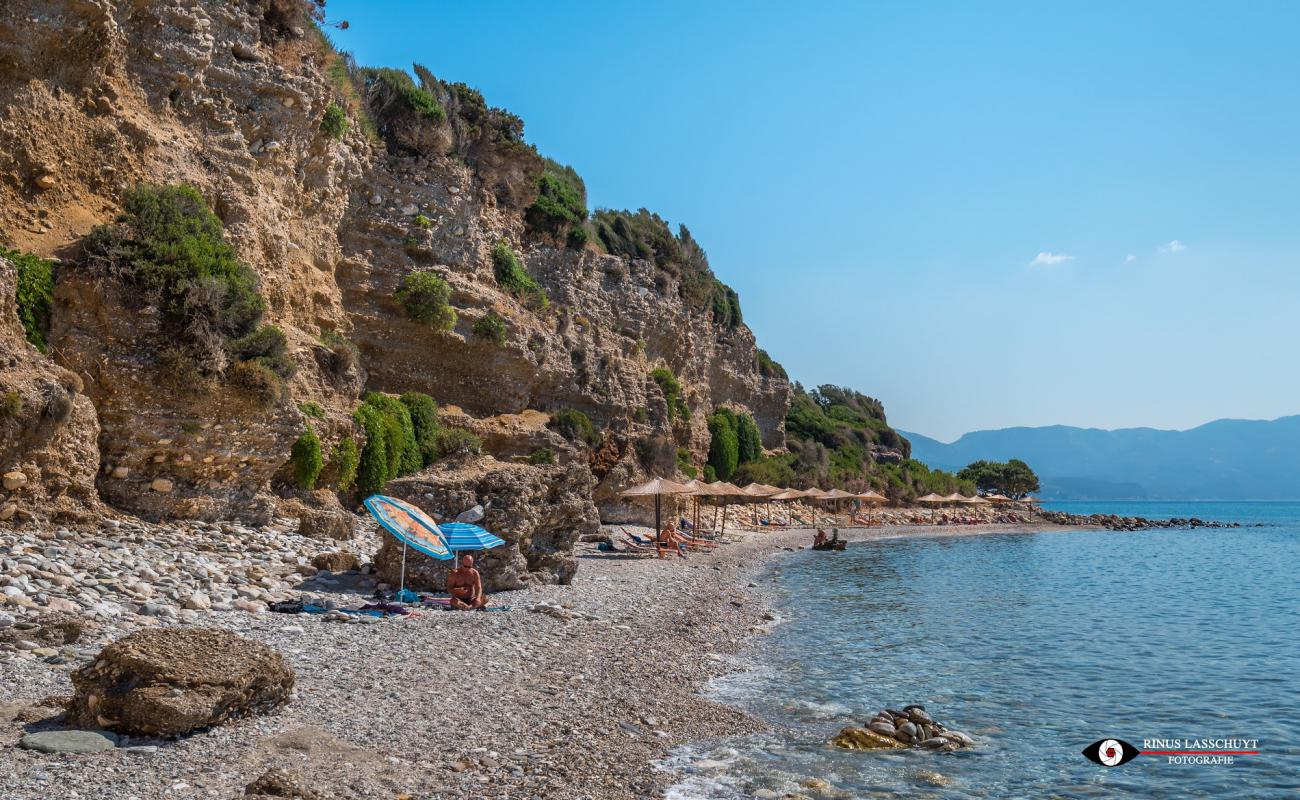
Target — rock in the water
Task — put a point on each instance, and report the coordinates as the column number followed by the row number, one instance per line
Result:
column 883, row 728
column 863, row 739
column 68, row 741
column 170, row 681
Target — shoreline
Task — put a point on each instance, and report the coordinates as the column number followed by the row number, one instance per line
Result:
column 583, row 700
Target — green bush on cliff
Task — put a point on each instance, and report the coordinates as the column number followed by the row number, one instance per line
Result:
column 169, row 246
column 748, row 438
column 512, row 277
column 672, row 390
column 491, row 327
column 769, row 368
column 306, row 459
column 393, row 88
column 11, row 405
column 424, row 424
column 35, row 294
column 455, row 442
column 391, row 449
column 575, row 426
column 542, row 456
column 312, row 409
column 686, row 462
column 334, row 123
column 561, row 204
column 427, row 298
column 724, row 444
column 256, row 380
column 343, row 463
column 267, row 346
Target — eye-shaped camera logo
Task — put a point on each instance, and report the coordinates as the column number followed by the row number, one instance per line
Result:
column 1110, row 752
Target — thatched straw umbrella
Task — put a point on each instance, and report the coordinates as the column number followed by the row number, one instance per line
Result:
column 656, row 488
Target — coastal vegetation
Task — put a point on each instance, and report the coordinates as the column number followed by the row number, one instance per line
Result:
column 427, row 298
column 560, row 210
column 672, row 390
column 1012, row 478
column 734, row 439
column 35, row 294
column 574, row 426
column 403, row 435
column 334, row 123
column 512, row 277
column 171, row 249
column 491, row 327
column 306, row 459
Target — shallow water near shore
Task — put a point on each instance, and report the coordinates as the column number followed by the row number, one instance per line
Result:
column 1036, row 645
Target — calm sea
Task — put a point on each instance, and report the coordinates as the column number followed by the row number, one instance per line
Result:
column 1036, row 645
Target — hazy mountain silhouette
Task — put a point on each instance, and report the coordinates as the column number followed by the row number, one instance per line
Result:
column 1228, row 459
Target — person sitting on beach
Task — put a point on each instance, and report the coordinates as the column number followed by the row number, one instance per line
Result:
column 820, row 538
column 667, row 538
column 465, row 586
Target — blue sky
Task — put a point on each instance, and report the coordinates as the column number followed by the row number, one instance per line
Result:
column 984, row 214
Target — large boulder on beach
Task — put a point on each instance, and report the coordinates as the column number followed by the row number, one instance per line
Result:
column 171, row 681
column 540, row 511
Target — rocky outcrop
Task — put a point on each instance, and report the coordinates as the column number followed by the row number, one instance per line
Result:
column 540, row 511
column 892, row 730
column 171, row 681
column 48, row 428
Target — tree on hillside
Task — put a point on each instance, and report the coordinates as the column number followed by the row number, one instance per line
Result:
column 1013, row 478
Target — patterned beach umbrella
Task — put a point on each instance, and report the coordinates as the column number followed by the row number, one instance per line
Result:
column 411, row 526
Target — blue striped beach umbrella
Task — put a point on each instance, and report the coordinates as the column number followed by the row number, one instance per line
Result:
column 462, row 536
column 411, row 526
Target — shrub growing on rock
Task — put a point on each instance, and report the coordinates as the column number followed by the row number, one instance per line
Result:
column 456, row 441
column 512, row 277
column 724, row 445
column 35, row 294
column 686, row 462
column 542, row 456
column 169, row 246
column 672, row 389
column 312, row 409
column 769, row 368
column 491, row 327
column 424, row 423
column 343, row 461
column 335, row 122
column 427, row 298
column 307, row 460
column 256, row 380
column 391, row 449
column 11, row 405
column 267, row 346
column 561, row 204
column 574, row 426
column 392, row 88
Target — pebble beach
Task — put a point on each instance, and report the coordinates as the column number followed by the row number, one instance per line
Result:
column 573, row 691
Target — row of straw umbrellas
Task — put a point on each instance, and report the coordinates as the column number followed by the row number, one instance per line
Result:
column 721, row 490
column 976, row 500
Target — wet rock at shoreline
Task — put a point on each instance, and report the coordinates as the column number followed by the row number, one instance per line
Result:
column 1115, row 522
column 912, row 726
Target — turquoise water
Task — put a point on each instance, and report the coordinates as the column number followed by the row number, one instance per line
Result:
column 1036, row 645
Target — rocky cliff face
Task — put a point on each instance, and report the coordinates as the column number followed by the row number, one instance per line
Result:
column 47, row 428
column 100, row 95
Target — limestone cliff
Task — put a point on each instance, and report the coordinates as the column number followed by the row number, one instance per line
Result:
column 97, row 96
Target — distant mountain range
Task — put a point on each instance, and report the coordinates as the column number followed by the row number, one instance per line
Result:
column 1228, row 459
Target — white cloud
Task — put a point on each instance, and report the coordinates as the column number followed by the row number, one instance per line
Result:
column 1173, row 247
column 1130, row 258
column 1050, row 259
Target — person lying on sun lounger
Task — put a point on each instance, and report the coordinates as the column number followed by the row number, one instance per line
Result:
column 465, row 586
